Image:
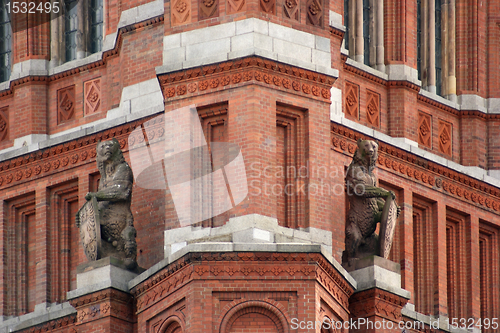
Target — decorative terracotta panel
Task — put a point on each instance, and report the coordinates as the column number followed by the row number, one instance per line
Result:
column 444, row 135
column 180, row 12
column 291, row 9
column 424, row 129
column 351, row 100
column 92, row 93
column 315, row 12
column 4, row 124
column 235, row 6
column 65, row 104
column 268, row 6
column 208, row 9
column 373, row 109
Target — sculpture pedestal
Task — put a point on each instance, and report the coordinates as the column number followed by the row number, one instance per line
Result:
column 377, row 302
column 102, row 299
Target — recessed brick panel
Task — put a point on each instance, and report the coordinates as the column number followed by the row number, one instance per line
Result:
column 4, row 124
column 180, row 12
column 268, row 6
column 92, row 96
column 424, row 129
column 208, row 9
column 291, row 9
column 445, row 137
column 351, row 100
column 373, row 108
column 66, row 104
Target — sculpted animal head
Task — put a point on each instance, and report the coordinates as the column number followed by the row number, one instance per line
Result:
column 367, row 152
column 108, row 152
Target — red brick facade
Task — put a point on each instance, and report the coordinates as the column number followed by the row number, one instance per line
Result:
column 447, row 239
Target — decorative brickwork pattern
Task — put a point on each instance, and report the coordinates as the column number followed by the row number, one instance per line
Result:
column 65, row 104
column 180, row 12
column 373, row 108
column 351, row 105
column 213, row 119
column 489, row 287
column 456, row 265
column 291, row 145
column 268, row 6
column 291, row 9
column 315, row 12
column 424, row 129
column 92, row 96
column 208, row 9
column 20, row 267
column 235, row 6
column 445, row 137
column 4, row 124
column 423, row 256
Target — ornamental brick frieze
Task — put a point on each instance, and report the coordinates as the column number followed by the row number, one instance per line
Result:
column 53, row 325
column 424, row 172
column 68, row 155
column 377, row 302
column 105, row 303
column 239, row 72
column 201, row 266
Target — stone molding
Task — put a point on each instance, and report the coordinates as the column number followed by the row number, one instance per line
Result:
column 211, row 78
column 420, row 170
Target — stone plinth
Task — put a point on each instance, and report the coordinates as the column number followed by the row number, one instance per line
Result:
column 377, row 302
column 102, row 299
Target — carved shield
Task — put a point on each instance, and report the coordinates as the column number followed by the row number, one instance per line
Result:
column 87, row 219
column 388, row 226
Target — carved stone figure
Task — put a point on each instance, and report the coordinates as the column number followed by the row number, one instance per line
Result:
column 105, row 221
column 368, row 205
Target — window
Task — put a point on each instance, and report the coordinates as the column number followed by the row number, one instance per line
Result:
column 366, row 32
column 419, row 39
column 364, row 22
column 436, row 47
column 70, row 28
column 5, row 43
column 81, row 30
column 346, row 23
column 96, row 26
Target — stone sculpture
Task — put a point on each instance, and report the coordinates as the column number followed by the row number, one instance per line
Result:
column 105, row 221
column 368, row 205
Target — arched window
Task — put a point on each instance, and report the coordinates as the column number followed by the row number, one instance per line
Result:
column 5, row 42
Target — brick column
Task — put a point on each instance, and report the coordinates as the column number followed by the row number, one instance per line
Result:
column 30, row 110
column 474, row 141
column 440, row 277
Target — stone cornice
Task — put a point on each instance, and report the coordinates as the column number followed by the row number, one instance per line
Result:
column 417, row 169
column 99, row 63
column 272, row 73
